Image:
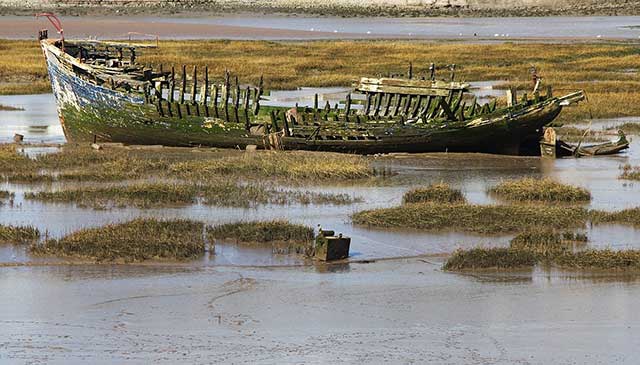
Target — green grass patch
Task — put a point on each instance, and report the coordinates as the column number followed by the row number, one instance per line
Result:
column 288, row 165
column 134, row 241
column 629, row 217
column 282, row 236
column 440, row 192
column 540, row 190
column 138, row 195
column 547, row 242
column 490, row 258
column 18, row 234
column 261, row 232
column 605, row 259
column 473, row 218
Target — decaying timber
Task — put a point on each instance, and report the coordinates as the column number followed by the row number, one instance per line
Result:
column 103, row 93
column 550, row 146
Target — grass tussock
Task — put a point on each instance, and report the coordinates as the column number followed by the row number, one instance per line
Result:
column 605, row 259
column 18, row 234
column 281, row 165
column 147, row 195
column 262, row 232
column 441, row 193
column 489, row 258
column 545, row 246
column 629, row 172
column 547, row 242
column 629, row 217
column 540, row 190
column 6, row 194
column 629, row 128
column 139, row 195
column 134, row 241
column 81, row 163
column 473, row 218
column 9, row 108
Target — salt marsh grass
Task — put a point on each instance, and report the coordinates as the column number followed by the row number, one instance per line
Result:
column 440, row 192
column 134, row 241
column 540, row 190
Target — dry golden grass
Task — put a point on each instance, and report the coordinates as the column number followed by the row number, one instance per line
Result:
column 605, row 71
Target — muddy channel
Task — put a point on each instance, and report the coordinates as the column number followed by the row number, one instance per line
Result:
column 390, row 303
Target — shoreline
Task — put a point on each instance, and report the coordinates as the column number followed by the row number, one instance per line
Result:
column 223, row 8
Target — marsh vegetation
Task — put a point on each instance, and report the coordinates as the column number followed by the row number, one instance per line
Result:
column 540, row 190
column 439, row 192
column 134, row 241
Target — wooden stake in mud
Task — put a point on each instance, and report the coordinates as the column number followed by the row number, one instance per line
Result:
column 215, row 101
column 258, row 94
column 286, row 125
column 315, row 103
column 225, row 95
column 347, row 105
column 205, row 94
column 410, row 72
column 184, row 84
column 432, row 71
column 172, row 85
column 236, row 101
column 247, row 121
column 453, row 72
column 195, row 85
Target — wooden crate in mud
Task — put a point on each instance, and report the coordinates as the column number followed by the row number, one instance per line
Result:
column 329, row 247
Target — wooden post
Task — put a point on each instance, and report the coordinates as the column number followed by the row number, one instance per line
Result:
column 215, row 101
column 367, row 104
column 204, row 96
column 377, row 102
column 396, row 105
column 225, row 95
column 432, row 70
column 172, row 88
column 453, row 72
column 247, row 121
column 385, row 104
column 195, row 85
column 184, row 83
column 410, row 72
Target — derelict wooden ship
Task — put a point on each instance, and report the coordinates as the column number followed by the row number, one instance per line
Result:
column 104, row 94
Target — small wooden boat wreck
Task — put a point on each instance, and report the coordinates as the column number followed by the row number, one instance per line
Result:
column 550, row 146
column 104, row 94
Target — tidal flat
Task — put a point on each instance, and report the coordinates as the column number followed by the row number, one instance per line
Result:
column 250, row 298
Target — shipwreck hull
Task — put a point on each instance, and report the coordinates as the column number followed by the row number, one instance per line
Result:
column 89, row 112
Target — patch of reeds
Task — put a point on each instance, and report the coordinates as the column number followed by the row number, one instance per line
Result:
column 261, row 232
column 9, row 108
column 547, row 242
column 282, row 236
column 159, row 194
column 540, row 190
column 473, row 218
column 604, row 259
column 139, row 195
column 629, row 127
column 629, row 172
column 134, row 241
column 440, row 193
column 490, row 258
column 18, row 234
column 630, row 217
column 281, row 165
